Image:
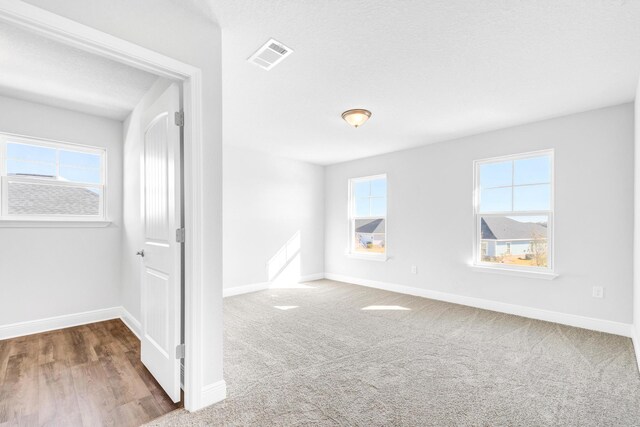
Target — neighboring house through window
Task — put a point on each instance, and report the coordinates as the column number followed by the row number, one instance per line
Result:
column 514, row 211
column 47, row 180
column 368, row 216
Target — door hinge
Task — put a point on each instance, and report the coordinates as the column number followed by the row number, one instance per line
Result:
column 179, row 118
column 180, row 234
column 180, row 351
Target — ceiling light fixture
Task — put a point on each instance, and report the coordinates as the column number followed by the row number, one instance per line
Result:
column 356, row 117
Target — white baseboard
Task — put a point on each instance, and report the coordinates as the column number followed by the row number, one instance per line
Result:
column 58, row 322
column 255, row 287
column 213, row 393
column 132, row 323
column 311, row 277
column 37, row 326
column 245, row 289
column 636, row 344
column 616, row 328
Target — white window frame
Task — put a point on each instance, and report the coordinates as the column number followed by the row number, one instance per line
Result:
column 351, row 252
column 521, row 270
column 7, row 220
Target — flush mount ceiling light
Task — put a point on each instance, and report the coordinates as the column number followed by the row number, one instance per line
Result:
column 356, row 117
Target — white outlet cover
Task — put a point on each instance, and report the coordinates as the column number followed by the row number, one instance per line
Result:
column 598, row 292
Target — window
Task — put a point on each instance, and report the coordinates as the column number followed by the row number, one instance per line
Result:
column 368, row 216
column 45, row 180
column 514, row 212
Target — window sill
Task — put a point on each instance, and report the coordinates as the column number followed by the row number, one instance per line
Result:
column 514, row 272
column 368, row 257
column 11, row 223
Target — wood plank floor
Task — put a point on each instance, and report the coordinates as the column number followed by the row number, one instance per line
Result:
column 88, row 375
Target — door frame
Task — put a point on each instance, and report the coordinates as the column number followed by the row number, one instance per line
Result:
column 80, row 36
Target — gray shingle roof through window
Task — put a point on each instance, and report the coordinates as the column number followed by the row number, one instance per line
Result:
column 504, row 228
column 370, row 225
column 47, row 199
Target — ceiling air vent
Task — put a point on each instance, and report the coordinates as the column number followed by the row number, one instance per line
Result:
column 270, row 54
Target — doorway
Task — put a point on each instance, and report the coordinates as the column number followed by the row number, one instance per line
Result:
column 198, row 393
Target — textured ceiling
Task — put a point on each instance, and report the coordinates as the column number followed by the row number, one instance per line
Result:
column 37, row 69
column 428, row 70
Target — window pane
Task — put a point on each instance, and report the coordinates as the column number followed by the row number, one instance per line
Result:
column 361, row 189
column 532, row 198
column 370, row 235
column 46, row 199
column 378, row 206
column 379, row 187
column 495, row 200
column 79, row 160
column 31, row 152
column 21, row 167
column 363, row 207
column 535, row 170
column 495, row 174
column 514, row 240
column 73, row 174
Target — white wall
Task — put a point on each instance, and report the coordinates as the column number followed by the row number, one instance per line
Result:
column 267, row 201
column 168, row 28
column 46, row 272
column 430, row 215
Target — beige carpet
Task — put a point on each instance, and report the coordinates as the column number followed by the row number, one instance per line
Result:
column 316, row 356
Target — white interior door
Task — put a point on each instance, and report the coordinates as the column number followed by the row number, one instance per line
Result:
column 161, row 276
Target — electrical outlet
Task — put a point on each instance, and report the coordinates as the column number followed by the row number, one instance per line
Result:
column 414, row 269
column 598, row 292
